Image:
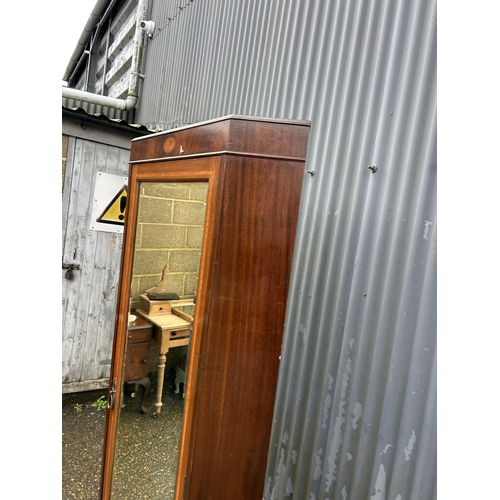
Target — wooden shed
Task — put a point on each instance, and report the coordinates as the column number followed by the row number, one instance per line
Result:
column 95, row 152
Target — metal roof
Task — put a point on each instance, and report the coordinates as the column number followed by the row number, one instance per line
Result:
column 101, row 117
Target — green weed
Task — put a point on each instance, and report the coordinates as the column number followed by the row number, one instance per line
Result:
column 100, row 404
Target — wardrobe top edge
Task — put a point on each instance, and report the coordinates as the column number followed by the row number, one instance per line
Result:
column 283, row 121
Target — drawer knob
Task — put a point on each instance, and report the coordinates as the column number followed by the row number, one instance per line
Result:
column 144, row 360
column 174, row 334
column 130, row 337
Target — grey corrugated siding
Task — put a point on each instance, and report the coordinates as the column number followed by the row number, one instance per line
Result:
column 355, row 413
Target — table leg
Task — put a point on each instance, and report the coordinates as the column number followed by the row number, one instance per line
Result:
column 146, row 385
column 162, row 358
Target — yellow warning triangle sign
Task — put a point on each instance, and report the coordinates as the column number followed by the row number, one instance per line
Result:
column 114, row 213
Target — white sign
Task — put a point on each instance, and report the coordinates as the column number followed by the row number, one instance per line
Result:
column 109, row 203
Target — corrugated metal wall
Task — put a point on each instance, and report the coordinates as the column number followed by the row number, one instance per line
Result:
column 355, row 414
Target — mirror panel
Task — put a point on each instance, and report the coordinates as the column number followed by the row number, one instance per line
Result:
column 166, row 262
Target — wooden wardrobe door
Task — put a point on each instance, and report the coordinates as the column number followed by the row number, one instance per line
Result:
column 242, row 342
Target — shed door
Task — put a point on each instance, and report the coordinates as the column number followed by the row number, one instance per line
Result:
column 89, row 295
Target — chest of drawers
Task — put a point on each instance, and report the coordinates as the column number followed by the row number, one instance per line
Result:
column 139, row 334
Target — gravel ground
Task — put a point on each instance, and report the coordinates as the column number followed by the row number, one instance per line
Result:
column 82, row 440
column 146, row 450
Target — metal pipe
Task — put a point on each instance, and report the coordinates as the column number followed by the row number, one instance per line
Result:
column 133, row 87
column 103, row 100
column 95, row 22
column 84, row 37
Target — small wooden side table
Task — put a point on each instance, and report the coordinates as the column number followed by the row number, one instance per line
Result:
column 170, row 330
column 139, row 333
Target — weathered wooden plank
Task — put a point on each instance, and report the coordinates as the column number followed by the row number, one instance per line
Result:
column 66, row 194
column 108, row 303
column 90, row 385
column 96, row 268
column 85, row 254
column 112, row 157
column 69, row 290
column 123, row 162
column 95, row 265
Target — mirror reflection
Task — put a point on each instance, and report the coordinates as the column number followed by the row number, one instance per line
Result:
column 170, row 225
